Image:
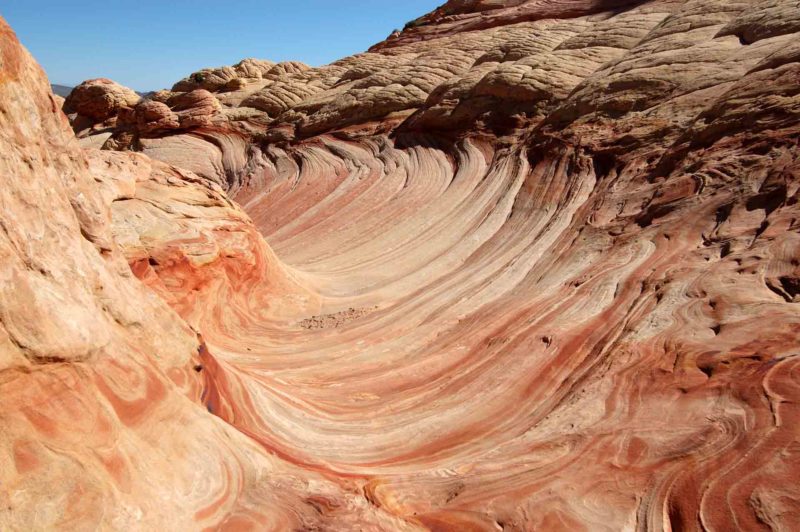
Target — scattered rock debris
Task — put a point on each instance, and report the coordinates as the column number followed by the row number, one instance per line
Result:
column 335, row 320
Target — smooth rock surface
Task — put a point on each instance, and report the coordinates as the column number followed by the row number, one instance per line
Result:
column 104, row 425
column 525, row 265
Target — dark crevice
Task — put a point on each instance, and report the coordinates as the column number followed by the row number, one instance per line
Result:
column 790, row 285
column 761, row 229
column 723, row 213
column 604, row 164
column 786, row 287
column 768, row 200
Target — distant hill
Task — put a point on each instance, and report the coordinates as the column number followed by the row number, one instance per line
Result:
column 63, row 90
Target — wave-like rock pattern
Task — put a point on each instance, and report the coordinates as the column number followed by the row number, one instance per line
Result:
column 527, row 265
column 548, row 344
column 104, row 425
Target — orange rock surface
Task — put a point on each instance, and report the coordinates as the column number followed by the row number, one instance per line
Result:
column 526, row 265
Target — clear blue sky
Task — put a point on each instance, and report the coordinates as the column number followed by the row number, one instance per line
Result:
column 148, row 45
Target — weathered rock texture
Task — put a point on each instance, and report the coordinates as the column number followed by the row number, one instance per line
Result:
column 93, row 108
column 104, row 424
column 99, row 99
column 529, row 265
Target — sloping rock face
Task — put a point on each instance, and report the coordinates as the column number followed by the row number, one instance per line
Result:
column 106, row 422
column 531, row 265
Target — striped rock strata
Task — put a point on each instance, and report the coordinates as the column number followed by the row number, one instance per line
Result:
column 526, row 265
column 104, row 425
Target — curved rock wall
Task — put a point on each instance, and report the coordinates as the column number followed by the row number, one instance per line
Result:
column 525, row 265
column 543, row 341
column 104, row 424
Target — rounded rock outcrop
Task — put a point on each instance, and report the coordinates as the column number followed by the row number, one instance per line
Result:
column 152, row 116
column 99, row 99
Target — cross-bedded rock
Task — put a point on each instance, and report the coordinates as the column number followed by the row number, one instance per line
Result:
column 108, row 395
column 525, row 265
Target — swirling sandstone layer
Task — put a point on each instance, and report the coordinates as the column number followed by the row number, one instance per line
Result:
column 526, row 265
column 104, row 423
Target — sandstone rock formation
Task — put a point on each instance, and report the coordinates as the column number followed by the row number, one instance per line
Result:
column 104, row 424
column 93, row 107
column 99, row 99
column 529, row 265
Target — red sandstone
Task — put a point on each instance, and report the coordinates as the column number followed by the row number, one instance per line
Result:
column 526, row 265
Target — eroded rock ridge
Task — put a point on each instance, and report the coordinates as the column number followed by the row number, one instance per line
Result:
column 525, row 265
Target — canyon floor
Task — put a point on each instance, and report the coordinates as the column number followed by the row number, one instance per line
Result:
column 524, row 265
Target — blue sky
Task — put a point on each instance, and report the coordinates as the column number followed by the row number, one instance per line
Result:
column 148, row 44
